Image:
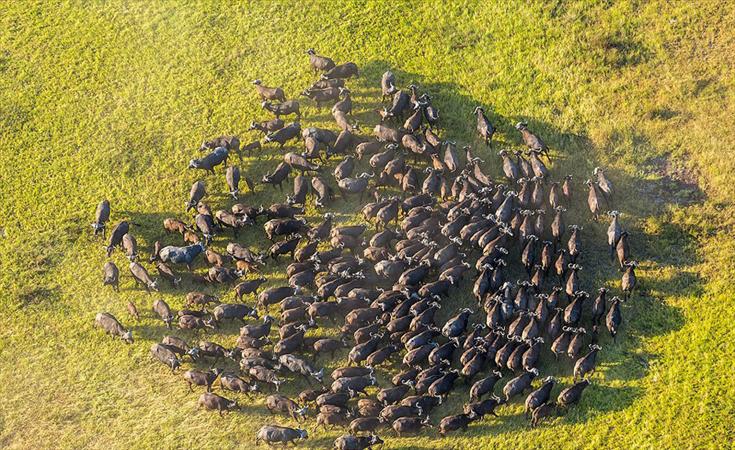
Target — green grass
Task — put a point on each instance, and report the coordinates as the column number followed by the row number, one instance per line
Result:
column 111, row 99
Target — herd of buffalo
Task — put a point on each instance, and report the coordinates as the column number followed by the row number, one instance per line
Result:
column 439, row 219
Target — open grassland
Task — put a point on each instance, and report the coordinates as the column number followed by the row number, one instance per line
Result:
column 111, row 99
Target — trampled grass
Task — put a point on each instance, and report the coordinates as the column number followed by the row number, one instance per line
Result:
column 111, row 99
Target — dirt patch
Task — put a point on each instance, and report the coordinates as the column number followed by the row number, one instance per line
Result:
column 676, row 183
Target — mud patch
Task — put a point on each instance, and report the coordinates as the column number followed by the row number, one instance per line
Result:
column 675, row 183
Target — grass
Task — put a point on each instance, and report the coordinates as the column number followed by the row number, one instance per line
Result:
column 110, row 99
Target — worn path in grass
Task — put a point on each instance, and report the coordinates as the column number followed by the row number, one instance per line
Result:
column 112, row 99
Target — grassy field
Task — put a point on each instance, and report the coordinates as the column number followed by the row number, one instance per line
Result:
column 111, row 99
